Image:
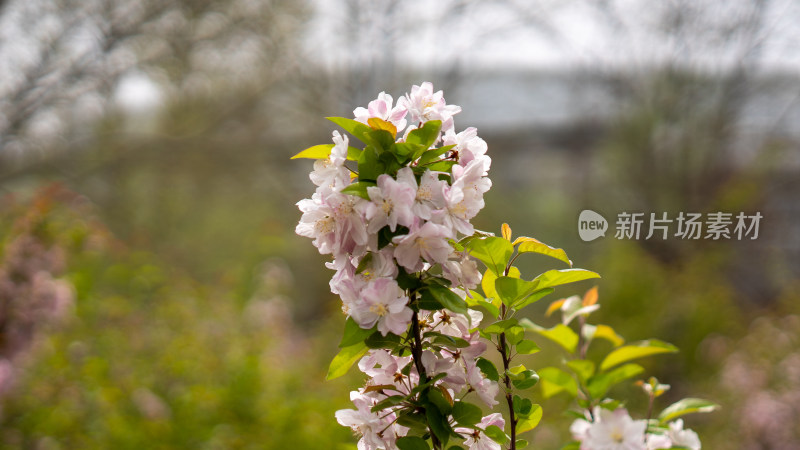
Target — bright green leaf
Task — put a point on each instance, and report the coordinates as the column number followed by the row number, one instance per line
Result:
column 321, row 151
column 531, row 421
column 560, row 334
column 582, row 367
column 425, row 135
column 495, row 433
column 554, row 380
column 510, row 290
column 488, row 280
column 534, row 297
column 345, row 359
column 353, row 334
column 514, row 335
column 553, row 278
column 599, row 384
column 527, row 347
column 636, row 350
column 494, row 252
column 686, row 406
column 500, row 326
column 357, row 129
column 531, row 245
column 358, row 189
column 603, row 332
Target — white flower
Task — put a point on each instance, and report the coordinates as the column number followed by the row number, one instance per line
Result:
column 579, row 428
column 477, row 440
column 469, row 146
column 376, row 429
column 391, row 204
column 382, row 109
column 658, row 442
column 425, row 105
column 485, row 388
column 428, row 242
column 382, row 302
column 683, row 437
column 458, row 210
column 331, row 171
column 462, row 272
column 335, row 222
column 614, row 431
column 428, row 194
column 389, row 371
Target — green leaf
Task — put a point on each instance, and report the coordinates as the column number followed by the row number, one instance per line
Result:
column 377, row 340
column 686, row 406
column 321, row 151
column 560, row 334
column 345, row 359
column 514, row 335
column 521, row 443
column 381, row 139
column 406, row 150
column 599, row 384
column 440, row 166
column 531, row 420
column 494, row 252
column 357, row 129
column 500, row 326
column 353, row 334
column 495, row 433
column 532, row 298
column 525, row 379
column 527, row 347
column 522, row 406
column 488, row 369
column 433, row 154
column 437, row 397
column 476, row 299
column 510, row 290
column 531, row 245
column 388, row 402
column 358, row 189
column 466, row 414
column 412, row 443
column 553, row 278
column 603, row 332
column 369, row 166
column 582, row 367
column 636, row 350
column 448, row 298
column 555, row 380
column 438, row 424
column 487, row 284
column 425, row 135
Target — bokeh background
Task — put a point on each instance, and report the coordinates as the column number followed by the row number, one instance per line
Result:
column 153, row 293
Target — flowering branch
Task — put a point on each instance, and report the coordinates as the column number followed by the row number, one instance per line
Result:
column 399, row 233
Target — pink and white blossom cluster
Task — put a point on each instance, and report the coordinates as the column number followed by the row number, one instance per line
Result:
column 434, row 208
column 616, row 430
column 424, row 210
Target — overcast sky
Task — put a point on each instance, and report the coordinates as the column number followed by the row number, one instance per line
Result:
column 558, row 33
